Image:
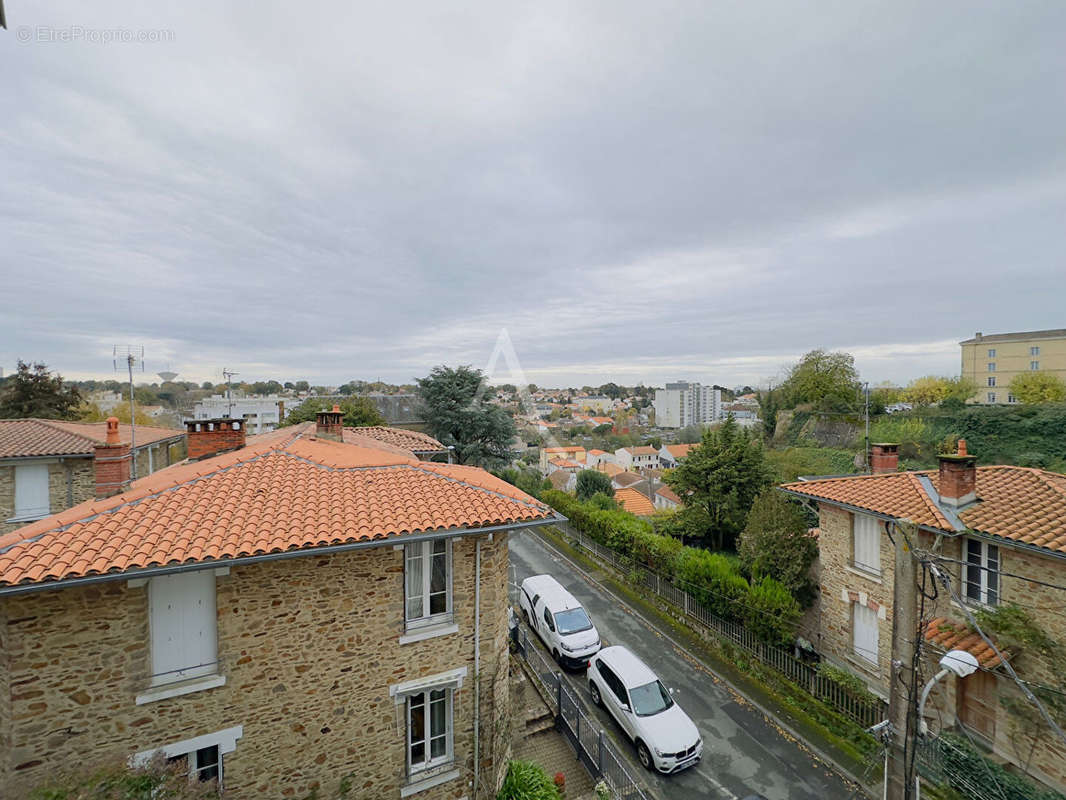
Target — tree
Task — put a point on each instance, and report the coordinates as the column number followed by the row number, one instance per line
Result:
column 720, row 480
column 776, row 543
column 207, row 386
column 358, row 412
column 611, row 390
column 826, row 381
column 768, row 412
column 457, row 414
column 591, row 482
column 33, row 391
column 90, row 412
column 935, row 389
column 1038, row 387
column 302, row 386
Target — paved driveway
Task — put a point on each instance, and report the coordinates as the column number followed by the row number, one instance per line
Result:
column 743, row 754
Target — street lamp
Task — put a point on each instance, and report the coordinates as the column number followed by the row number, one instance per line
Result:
column 957, row 662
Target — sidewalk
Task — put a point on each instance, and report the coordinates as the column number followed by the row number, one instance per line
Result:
column 838, row 754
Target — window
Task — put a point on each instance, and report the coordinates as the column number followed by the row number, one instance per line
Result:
column 614, row 683
column 429, row 729
column 991, row 396
column 991, row 380
column 866, row 543
column 1011, row 398
column 1034, row 351
column 864, row 633
column 991, row 366
column 203, row 764
column 183, row 626
column 428, row 582
column 548, row 620
column 31, row 492
column 1034, row 365
column 982, row 572
column 991, row 352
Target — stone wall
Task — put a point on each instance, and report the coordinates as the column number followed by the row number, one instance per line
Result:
column 309, row 647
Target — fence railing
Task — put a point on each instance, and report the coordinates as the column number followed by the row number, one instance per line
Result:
column 866, row 711
column 591, row 746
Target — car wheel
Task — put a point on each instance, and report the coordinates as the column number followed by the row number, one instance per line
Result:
column 595, row 692
column 644, row 755
column 556, row 656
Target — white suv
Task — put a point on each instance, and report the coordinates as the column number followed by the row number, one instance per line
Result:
column 559, row 620
column 665, row 737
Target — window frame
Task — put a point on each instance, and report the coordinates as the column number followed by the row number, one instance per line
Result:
column 857, row 649
column 991, row 352
column 1034, row 366
column 862, row 522
column 430, row 763
column 427, row 619
column 1034, row 350
column 987, row 553
column 991, row 397
column 991, row 366
column 161, row 622
column 25, row 513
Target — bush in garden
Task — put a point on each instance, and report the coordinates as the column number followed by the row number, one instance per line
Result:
column 771, row 611
column 527, row 781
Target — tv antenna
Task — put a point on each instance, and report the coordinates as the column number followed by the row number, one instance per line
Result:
column 132, row 355
column 227, row 374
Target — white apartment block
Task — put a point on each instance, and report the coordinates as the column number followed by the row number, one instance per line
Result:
column 681, row 404
column 260, row 414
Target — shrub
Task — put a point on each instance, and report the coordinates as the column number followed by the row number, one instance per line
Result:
column 118, row 781
column 527, row 781
column 966, row 768
column 714, row 581
column 771, row 612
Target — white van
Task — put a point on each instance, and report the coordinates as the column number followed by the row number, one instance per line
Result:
column 560, row 621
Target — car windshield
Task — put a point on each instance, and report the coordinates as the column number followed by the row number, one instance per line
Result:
column 573, row 621
column 650, row 699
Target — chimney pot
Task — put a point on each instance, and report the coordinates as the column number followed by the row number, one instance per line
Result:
column 962, row 447
column 208, row 438
column 112, row 430
column 111, row 462
column 884, row 457
column 330, row 424
column 958, row 478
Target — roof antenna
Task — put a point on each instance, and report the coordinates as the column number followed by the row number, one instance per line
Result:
column 131, row 354
column 227, row 374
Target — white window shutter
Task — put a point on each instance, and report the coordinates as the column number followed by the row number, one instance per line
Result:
column 31, row 491
column 867, row 543
column 864, row 633
column 183, row 626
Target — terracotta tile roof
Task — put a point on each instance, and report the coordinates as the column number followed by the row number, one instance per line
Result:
column 668, row 493
column 564, row 463
column 643, row 450
column 597, row 452
column 948, row 634
column 627, row 478
column 679, row 450
column 50, row 437
column 412, row 441
column 608, row 468
column 288, row 491
column 634, row 502
column 1016, row 503
column 564, row 449
column 559, row 480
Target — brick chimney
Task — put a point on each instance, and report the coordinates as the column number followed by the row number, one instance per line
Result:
column 958, row 477
column 111, row 462
column 884, row 457
column 330, row 424
column 209, row 437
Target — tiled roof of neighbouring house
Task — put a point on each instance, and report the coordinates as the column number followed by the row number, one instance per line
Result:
column 414, row 441
column 948, row 635
column 627, row 478
column 634, row 502
column 288, row 491
column 668, row 493
column 1016, row 503
column 679, row 451
column 51, row 437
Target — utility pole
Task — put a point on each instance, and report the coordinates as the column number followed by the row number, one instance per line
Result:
column 900, row 781
column 866, row 389
column 131, row 357
column 229, row 397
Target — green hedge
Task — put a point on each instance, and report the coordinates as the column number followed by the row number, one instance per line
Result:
column 965, row 767
column 765, row 606
column 527, row 781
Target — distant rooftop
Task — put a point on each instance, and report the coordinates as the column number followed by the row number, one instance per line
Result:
column 1021, row 336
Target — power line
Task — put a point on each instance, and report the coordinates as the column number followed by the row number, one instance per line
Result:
column 939, row 557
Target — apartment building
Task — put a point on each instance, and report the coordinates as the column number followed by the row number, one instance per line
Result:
column 682, row 403
column 260, row 414
column 992, row 361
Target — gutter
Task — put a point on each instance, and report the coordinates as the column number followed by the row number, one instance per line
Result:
column 240, row 561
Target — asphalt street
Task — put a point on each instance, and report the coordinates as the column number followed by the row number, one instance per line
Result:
column 743, row 753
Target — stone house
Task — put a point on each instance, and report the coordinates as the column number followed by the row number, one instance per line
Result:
column 49, row 465
column 998, row 534
column 281, row 617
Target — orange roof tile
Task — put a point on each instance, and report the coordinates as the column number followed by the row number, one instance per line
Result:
column 668, row 493
column 1016, row 503
column 608, row 468
column 288, row 491
column 627, row 478
column 52, row 437
column 413, row 441
column 564, row 463
column 679, row 450
column 564, row 449
column 947, row 635
column 643, row 450
column 597, row 452
column 634, row 502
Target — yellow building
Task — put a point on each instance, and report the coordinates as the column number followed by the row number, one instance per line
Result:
column 992, row 361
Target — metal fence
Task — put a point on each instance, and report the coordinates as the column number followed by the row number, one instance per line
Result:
column 591, row 745
column 866, row 711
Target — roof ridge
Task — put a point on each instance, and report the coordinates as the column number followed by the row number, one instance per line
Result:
column 937, row 513
column 419, row 466
column 49, row 423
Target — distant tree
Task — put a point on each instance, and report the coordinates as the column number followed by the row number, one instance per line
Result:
column 90, row 412
column 33, row 391
column 591, row 482
column 826, row 381
column 207, row 386
column 720, row 480
column 612, row 390
column 775, row 543
column 604, row 429
column 745, row 390
column 510, row 388
column 346, row 389
column 302, row 386
column 934, row 389
column 457, row 414
column 358, row 411
column 289, row 385
column 768, row 412
column 690, row 434
column 532, row 388
column 265, row 387
column 655, row 441
column 1038, row 387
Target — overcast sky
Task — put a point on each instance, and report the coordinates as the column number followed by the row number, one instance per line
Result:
column 633, row 190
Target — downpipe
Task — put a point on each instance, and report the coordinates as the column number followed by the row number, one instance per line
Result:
column 477, row 661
